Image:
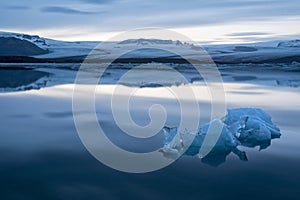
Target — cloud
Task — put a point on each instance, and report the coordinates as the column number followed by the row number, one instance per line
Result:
column 16, row 7
column 65, row 10
column 233, row 19
column 97, row 1
column 247, row 34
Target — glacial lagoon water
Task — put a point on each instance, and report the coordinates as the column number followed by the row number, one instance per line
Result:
column 42, row 156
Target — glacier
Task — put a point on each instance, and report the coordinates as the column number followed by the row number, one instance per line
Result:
column 248, row 127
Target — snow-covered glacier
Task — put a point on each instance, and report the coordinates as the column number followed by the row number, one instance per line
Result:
column 249, row 127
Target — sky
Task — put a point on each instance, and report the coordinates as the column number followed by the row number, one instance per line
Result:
column 209, row 21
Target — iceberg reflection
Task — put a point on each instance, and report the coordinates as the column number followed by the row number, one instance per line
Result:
column 249, row 127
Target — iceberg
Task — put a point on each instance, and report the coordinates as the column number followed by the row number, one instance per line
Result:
column 249, row 127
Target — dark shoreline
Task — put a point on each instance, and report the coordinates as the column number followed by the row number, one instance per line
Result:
column 80, row 59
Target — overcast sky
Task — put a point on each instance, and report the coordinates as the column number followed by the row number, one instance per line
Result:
column 220, row 21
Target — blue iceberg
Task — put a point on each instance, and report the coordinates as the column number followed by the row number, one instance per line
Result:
column 249, row 127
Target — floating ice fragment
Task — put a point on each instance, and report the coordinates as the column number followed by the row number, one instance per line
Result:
column 248, row 127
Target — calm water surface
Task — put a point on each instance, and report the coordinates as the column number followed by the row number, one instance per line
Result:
column 42, row 156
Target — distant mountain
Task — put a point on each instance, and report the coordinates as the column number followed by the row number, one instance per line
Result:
column 11, row 46
column 146, row 50
column 291, row 43
column 53, row 48
column 143, row 41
